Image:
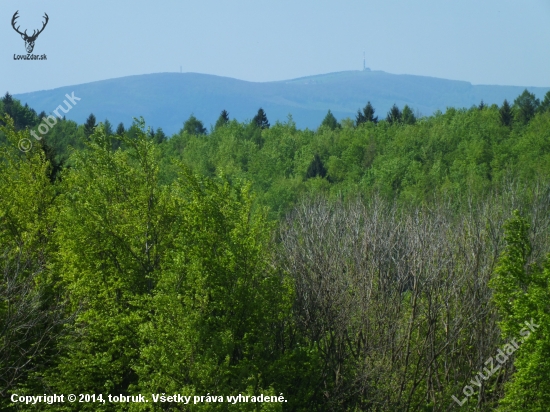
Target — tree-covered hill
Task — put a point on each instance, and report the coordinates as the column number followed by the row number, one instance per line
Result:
column 167, row 99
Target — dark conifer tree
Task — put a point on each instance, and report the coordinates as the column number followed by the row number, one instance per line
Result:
column 29, row 116
column 108, row 127
column 330, row 122
column 526, row 106
column 132, row 132
column 7, row 103
column 367, row 115
column 394, row 115
column 51, row 156
column 120, row 129
column 23, row 116
column 160, row 137
column 359, row 118
column 316, row 168
column 481, row 105
column 260, row 119
column 7, row 99
column 90, row 125
column 194, row 126
column 506, row 114
column 222, row 120
column 545, row 105
column 408, row 116
column 368, row 111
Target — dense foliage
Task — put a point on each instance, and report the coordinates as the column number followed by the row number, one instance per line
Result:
column 413, row 161
column 370, row 265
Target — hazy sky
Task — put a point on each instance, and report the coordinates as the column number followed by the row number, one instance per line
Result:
column 483, row 41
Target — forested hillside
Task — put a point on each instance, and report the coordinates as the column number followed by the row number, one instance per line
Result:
column 381, row 263
column 165, row 99
column 395, row 155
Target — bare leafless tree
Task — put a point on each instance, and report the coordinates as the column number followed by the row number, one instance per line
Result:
column 396, row 300
column 30, row 322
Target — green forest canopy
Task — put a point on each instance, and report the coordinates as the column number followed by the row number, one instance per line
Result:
column 368, row 265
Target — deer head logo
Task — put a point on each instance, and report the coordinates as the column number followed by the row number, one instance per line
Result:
column 29, row 40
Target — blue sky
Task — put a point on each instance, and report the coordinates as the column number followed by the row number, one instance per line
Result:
column 484, row 42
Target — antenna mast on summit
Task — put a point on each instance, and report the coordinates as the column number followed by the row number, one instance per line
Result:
column 364, row 62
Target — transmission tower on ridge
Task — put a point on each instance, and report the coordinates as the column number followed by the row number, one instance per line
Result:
column 365, row 68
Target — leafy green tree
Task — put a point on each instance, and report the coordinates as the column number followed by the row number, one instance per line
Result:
column 194, row 126
column 526, row 105
column 330, row 122
column 31, row 306
column 347, row 123
column 219, row 303
column 408, row 116
column 114, row 224
column 260, row 120
column 222, row 120
column 394, row 115
column 521, row 293
column 367, row 115
column 506, row 114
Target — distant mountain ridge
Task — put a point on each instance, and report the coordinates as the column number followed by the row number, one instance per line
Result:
column 167, row 99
